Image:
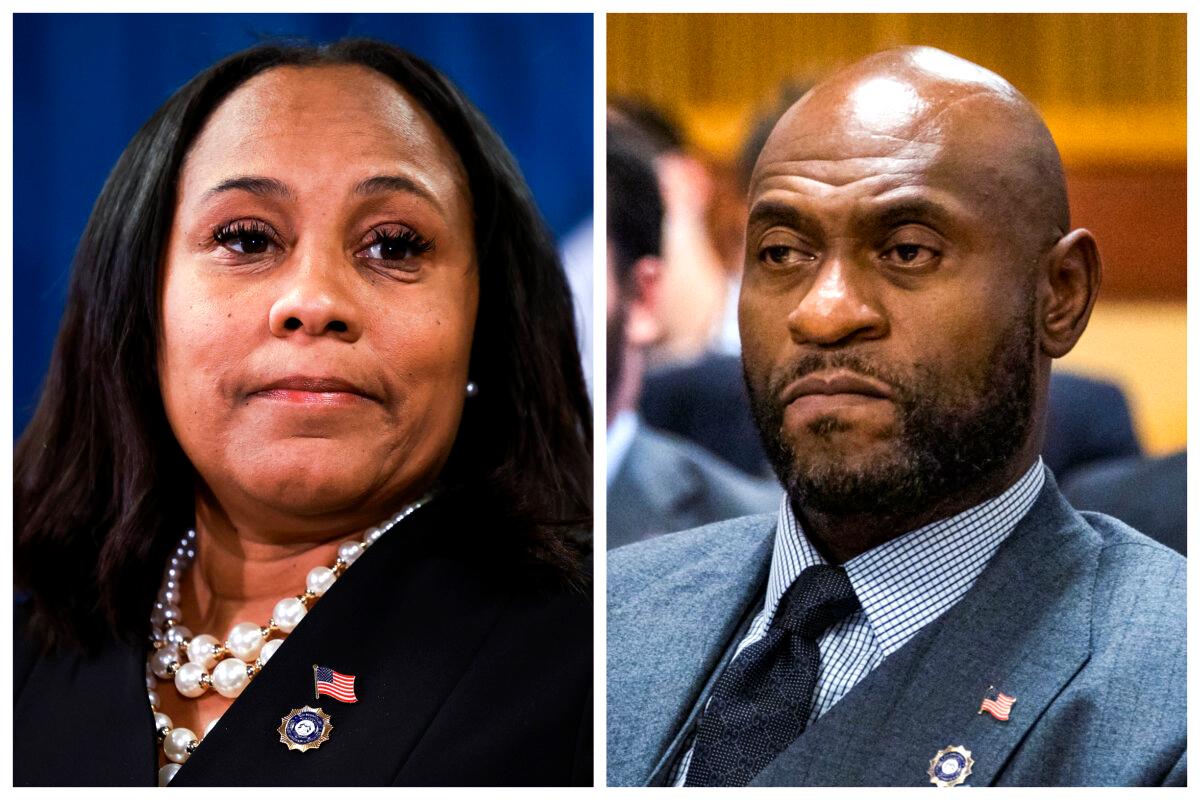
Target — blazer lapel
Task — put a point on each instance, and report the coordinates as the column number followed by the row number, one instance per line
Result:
column 664, row 770
column 675, row 646
column 1024, row 628
column 376, row 623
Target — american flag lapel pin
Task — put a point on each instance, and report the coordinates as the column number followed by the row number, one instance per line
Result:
column 331, row 683
column 1000, row 707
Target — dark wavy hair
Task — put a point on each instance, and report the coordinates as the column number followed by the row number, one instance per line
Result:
column 102, row 487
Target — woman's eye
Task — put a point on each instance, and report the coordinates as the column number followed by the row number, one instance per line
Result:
column 394, row 245
column 245, row 238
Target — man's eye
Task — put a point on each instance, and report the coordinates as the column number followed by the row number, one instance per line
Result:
column 778, row 254
column 910, row 255
column 245, row 238
column 781, row 255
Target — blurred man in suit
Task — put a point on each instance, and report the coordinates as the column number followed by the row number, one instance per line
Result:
column 1087, row 421
column 1149, row 494
column 657, row 483
column 925, row 606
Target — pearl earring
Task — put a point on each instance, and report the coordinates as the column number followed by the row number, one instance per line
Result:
column 472, row 388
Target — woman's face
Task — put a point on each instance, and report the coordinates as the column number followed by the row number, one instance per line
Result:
column 319, row 295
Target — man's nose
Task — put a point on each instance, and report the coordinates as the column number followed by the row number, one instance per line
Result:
column 836, row 308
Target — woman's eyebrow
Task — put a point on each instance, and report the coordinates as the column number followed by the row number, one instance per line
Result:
column 263, row 187
column 271, row 187
column 395, row 183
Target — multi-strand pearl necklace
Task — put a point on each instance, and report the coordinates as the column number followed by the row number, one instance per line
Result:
column 246, row 649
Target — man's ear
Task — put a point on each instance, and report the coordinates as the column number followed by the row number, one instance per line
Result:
column 642, row 324
column 1067, row 289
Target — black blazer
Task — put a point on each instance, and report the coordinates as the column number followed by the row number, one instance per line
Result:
column 473, row 665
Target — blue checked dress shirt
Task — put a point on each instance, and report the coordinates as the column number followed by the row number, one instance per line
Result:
column 903, row 585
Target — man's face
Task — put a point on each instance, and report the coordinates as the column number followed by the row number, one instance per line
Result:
column 886, row 310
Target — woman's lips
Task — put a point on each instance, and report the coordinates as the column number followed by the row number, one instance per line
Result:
column 305, row 397
column 312, row 391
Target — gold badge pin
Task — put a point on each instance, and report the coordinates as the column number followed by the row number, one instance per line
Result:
column 305, row 729
column 950, row 766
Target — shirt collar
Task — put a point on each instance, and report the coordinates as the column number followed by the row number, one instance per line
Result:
column 909, row 581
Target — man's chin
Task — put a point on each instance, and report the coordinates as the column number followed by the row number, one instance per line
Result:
column 833, row 442
column 856, row 481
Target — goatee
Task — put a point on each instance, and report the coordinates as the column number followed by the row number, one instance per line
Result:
column 950, row 435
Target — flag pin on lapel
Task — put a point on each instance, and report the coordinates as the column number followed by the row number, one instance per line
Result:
column 333, row 684
column 999, row 707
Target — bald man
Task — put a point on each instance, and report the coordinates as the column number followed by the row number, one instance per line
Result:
column 925, row 607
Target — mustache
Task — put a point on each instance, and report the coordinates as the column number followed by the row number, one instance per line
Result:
column 816, row 362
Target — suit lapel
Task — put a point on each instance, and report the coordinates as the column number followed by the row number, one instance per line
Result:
column 376, row 623
column 1024, row 627
column 663, row 772
column 674, row 647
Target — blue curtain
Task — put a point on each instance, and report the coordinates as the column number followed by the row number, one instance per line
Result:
column 84, row 83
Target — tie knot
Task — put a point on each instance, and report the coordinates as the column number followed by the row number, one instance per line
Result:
column 820, row 596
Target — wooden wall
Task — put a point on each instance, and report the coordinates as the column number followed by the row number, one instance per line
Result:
column 1112, row 88
column 1126, row 73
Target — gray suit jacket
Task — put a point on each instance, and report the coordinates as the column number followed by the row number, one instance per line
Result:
column 668, row 484
column 1078, row 616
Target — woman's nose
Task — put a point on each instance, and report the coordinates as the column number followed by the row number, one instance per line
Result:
column 313, row 301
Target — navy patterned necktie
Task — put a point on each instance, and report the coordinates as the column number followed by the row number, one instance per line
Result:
column 762, row 701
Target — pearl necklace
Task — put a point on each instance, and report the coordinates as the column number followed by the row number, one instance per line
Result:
column 245, row 651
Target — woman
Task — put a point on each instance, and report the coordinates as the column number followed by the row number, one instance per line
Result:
column 316, row 400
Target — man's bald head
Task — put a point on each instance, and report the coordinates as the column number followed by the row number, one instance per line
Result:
column 947, row 117
column 909, row 275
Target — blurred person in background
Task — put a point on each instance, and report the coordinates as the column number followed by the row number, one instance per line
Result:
column 1147, row 493
column 694, row 283
column 576, row 252
column 657, row 483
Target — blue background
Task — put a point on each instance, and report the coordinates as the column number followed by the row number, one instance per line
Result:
column 83, row 84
